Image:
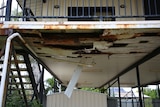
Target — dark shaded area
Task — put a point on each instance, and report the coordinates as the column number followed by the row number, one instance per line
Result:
column 152, row 9
column 91, row 13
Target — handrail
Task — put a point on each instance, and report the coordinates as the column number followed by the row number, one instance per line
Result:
column 5, row 64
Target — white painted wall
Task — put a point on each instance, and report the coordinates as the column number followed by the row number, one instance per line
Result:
column 47, row 9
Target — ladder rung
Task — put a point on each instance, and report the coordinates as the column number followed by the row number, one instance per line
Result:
column 19, row 83
column 14, row 69
column 20, row 89
column 21, row 69
column 19, row 61
column 1, row 61
column 16, row 76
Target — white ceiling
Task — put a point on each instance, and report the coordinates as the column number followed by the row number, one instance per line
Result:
column 100, row 68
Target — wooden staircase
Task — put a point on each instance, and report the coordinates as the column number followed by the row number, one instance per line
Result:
column 21, row 80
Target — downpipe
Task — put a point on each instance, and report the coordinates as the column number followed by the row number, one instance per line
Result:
column 5, row 63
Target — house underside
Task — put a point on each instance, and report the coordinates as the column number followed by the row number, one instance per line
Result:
column 115, row 43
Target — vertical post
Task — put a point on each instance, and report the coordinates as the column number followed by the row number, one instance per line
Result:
column 24, row 9
column 139, row 88
column 41, row 86
column 55, row 85
column 143, row 98
column 158, row 89
column 120, row 105
column 8, row 10
column 132, row 98
column 109, row 90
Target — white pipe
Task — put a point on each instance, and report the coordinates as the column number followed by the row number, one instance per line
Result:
column 5, row 64
column 73, row 81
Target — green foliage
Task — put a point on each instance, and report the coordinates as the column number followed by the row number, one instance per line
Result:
column 102, row 90
column 16, row 13
column 148, row 102
column 49, row 84
column 51, row 87
column 35, row 103
column 150, row 92
column 91, row 89
column 14, row 100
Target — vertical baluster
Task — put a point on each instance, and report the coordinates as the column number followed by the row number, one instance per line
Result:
column 113, row 8
column 89, row 10
column 35, row 11
column 149, row 7
column 77, row 8
column 125, row 7
column 131, row 7
column 82, row 8
column 101, row 15
column 59, row 1
column 95, row 8
column 137, row 7
column 107, row 6
column 155, row 7
column 8, row 10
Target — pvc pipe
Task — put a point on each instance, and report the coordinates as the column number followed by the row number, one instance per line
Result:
column 5, row 63
column 73, row 81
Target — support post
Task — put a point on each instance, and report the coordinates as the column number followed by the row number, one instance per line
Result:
column 109, row 90
column 139, row 88
column 8, row 10
column 143, row 98
column 55, row 85
column 41, row 85
column 132, row 98
column 119, row 90
column 158, row 89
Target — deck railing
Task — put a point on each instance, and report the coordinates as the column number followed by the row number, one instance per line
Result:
column 79, row 10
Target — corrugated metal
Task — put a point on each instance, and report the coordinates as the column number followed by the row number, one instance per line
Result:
column 79, row 98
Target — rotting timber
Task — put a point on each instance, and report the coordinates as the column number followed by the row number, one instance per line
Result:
column 103, row 53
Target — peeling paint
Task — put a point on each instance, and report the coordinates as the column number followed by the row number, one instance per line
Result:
column 64, row 26
column 1, row 25
column 126, row 26
column 60, row 41
column 113, row 35
column 81, row 25
column 3, row 32
column 13, row 26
